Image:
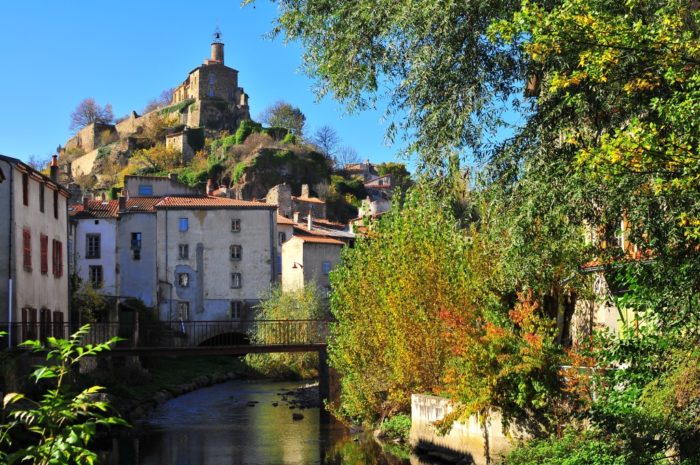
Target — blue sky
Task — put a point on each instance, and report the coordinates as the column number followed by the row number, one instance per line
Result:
column 54, row 54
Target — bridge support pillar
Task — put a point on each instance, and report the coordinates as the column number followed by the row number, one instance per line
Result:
column 324, row 384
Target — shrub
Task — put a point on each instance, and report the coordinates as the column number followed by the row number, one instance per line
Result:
column 61, row 425
column 573, row 448
column 238, row 171
column 246, row 128
column 396, row 427
column 289, row 139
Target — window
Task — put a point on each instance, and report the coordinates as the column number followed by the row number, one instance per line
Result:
column 41, row 198
column 136, row 245
column 95, row 276
column 183, row 311
column 235, row 225
column 145, row 189
column 326, row 267
column 183, row 252
column 55, row 204
column 92, row 246
column 44, row 244
column 235, row 252
column 235, row 280
column 57, row 258
column 236, row 309
column 25, row 188
column 281, row 238
column 27, row 249
column 184, row 224
column 183, row 279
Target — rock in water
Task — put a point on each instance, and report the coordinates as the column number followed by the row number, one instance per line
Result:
column 297, row 416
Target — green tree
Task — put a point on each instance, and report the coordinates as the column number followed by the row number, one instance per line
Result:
column 402, row 178
column 283, row 115
column 301, row 304
column 61, row 424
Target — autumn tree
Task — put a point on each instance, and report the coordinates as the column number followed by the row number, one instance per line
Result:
column 283, row 115
column 157, row 158
column 89, row 111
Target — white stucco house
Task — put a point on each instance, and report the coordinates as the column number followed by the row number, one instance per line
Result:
column 33, row 241
column 309, row 260
column 215, row 256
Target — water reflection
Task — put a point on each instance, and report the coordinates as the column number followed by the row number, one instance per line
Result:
column 236, row 423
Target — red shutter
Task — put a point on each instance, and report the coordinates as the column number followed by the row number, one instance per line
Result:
column 60, row 258
column 44, row 242
column 27, row 249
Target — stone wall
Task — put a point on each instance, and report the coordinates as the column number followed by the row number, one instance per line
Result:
column 464, row 438
column 281, row 195
column 92, row 136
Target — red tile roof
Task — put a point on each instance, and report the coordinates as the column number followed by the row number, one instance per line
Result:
column 142, row 204
column 284, row 220
column 96, row 209
column 209, row 202
column 308, row 199
column 319, row 240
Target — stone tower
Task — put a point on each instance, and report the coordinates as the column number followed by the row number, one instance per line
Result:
column 217, row 48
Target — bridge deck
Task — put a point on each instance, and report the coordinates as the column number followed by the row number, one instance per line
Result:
column 235, row 337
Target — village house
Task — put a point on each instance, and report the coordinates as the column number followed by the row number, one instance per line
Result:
column 136, row 249
column 309, row 260
column 33, row 240
column 93, row 234
column 114, row 247
column 215, row 256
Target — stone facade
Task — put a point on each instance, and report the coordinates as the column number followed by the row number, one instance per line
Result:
column 156, row 186
column 92, row 136
column 33, row 250
column 218, row 100
column 281, row 195
column 179, row 142
column 308, row 260
column 216, row 257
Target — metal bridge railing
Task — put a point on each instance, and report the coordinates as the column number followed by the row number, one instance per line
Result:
column 177, row 334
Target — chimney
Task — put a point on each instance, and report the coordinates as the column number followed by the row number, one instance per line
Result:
column 309, row 217
column 86, row 202
column 54, row 168
column 173, row 177
column 122, row 203
column 210, row 186
column 104, row 197
column 305, row 190
column 296, row 217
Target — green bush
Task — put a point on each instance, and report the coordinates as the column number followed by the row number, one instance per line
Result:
column 180, row 107
column 301, row 304
column 290, row 139
column 238, row 171
column 396, row 427
column 573, row 448
column 246, row 128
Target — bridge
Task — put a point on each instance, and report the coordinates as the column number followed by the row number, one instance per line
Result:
column 232, row 337
column 179, row 338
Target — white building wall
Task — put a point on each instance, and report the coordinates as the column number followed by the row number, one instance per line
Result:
column 107, row 229
column 137, row 277
column 31, row 288
column 209, row 266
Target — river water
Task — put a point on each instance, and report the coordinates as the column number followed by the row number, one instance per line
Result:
column 236, row 423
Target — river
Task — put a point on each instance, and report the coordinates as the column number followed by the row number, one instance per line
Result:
column 237, row 423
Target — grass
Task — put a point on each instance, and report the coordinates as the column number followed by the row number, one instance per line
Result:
column 166, row 372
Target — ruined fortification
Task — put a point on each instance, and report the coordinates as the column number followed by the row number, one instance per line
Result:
column 209, row 98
